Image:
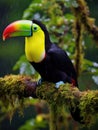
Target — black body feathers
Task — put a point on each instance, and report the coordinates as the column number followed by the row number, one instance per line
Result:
column 56, row 66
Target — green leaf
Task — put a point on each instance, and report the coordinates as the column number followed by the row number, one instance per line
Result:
column 90, row 66
column 33, row 124
column 95, row 79
column 71, row 3
column 24, row 66
column 69, row 17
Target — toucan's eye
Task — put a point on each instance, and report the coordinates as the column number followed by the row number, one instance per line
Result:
column 35, row 29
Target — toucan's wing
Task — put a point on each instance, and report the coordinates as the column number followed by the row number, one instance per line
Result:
column 61, row 61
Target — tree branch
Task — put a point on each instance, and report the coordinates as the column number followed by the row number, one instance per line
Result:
column 83, row 24
column 83, row 13
column 24, row 86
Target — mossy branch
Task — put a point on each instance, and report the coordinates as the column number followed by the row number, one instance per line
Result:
column 24, row 86
column 83, row 13
column 83, row 24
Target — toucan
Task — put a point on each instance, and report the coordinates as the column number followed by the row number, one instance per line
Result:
column 49, row 60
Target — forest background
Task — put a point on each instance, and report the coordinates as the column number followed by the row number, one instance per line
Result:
column 12, row 49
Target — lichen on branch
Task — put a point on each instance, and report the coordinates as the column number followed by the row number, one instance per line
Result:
column 17, row 85
column 83, row 24
column 24, row 86
column 83, row 12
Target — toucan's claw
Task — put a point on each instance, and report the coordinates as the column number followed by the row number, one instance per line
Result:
column 59, row 83
column 39, row 82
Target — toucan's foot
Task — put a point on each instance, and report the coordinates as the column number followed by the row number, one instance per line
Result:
column 59, row 83
column 39, row 81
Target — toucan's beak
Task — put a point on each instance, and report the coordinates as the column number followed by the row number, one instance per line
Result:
column 18, row 28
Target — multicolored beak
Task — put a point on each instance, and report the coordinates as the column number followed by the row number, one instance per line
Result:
column 18, row 28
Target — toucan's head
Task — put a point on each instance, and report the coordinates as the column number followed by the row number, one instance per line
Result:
column 35, row 34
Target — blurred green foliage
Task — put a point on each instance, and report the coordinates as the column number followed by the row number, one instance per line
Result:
column 10, row 50
column 24, row 66
column 34, row 124
column 58, row 18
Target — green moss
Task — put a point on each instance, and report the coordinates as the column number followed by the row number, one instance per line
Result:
column 11, row 94
column 89, row 107
column 12, row 91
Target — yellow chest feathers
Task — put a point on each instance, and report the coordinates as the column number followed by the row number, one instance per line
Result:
column 35, row 47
